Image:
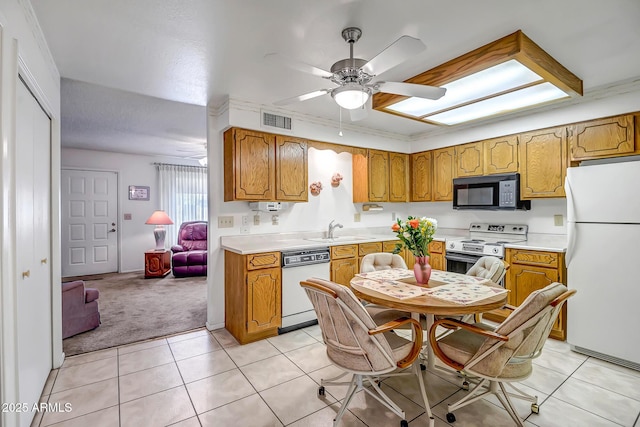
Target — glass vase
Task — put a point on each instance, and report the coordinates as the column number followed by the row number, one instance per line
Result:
column 422, row 270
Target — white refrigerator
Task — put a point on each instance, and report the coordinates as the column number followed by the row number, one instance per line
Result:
column 603, row 261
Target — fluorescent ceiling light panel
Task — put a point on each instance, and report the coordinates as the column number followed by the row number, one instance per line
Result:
column 508, row 74
column 499, row 78
column 506, row 103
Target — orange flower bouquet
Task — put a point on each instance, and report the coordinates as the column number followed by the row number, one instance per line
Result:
column 415, row 234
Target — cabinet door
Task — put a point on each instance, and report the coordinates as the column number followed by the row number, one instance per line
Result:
column 369, row 248
column 378, row 176
column 543, row 163
column 264, row 302
column 398, row 177
column 291, row 169
column 390, row 246
column 500, row 155
column 443, row 174
column 343, row 270
column 525, row 279
column 469, row 159
column 437, row 262
column 249, row 161
column 597, row 139
column 421, row 177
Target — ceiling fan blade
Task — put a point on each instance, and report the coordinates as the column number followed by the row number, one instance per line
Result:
column 399, row 51
column 304, row 97
column 361, row 113
column 276, row 58
column 412, row 89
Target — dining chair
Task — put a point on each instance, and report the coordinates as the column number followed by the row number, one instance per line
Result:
column 502, row 355
column 381, row 261
column 489, row 267
column 361, row 348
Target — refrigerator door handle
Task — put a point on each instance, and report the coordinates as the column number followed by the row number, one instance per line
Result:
column 571, row 222
column 571, row 242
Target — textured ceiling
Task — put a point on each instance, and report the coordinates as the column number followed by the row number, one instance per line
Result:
column 202, row 51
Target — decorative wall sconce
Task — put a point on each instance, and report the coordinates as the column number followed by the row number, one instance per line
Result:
column 335, row 179
column 315, row 188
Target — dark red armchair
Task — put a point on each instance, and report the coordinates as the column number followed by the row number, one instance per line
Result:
column 189, row 256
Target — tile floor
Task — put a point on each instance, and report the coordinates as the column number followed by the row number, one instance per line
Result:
column 206, row 379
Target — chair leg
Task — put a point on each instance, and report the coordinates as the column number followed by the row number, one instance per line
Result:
column 356, row 384
column 508, row 405
column 418, row 371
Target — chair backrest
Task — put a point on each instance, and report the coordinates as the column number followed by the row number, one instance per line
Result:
column 489, row 267
column 345, row 326
column 528, row 328
column 381, row 261
column 193, row 235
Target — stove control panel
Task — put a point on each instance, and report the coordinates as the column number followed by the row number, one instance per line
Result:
column 519, row 229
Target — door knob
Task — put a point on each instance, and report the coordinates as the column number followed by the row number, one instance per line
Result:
column 113, row 230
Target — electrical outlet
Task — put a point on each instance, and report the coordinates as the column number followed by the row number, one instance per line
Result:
column 356, row 217
column 256, row 219
column 557, row 220
column 225, row 222
column 245, row 220
column 244, row 229
column 275, row 220
column 393, row 216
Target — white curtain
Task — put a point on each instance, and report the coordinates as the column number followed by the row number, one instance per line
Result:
column 183, row 196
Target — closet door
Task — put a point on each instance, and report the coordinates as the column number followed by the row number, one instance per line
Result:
column 33, row 243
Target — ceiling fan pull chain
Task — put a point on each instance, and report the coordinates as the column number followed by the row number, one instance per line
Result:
column 340, row 108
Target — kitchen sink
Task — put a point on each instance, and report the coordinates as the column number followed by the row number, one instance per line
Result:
column 337, row 239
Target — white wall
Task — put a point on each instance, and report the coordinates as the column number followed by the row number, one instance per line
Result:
column 135, row 237
column 23, row 50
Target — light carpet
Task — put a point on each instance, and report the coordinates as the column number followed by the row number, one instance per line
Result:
column 133, row 308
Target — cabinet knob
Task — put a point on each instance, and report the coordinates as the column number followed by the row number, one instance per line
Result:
column 26, row 274
column 43, row 261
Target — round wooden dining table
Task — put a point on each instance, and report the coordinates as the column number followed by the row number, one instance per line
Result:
column 426, row 304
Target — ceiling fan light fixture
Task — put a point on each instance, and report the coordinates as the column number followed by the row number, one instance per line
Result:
column 351, row 96
column 509, row 74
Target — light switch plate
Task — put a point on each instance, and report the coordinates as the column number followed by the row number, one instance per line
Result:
column 127, row 217
column 356, row 217
column 225, row 222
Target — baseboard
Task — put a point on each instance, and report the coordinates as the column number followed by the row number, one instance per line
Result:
column 214, row 326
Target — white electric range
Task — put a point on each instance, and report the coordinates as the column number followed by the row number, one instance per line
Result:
column 483, row 239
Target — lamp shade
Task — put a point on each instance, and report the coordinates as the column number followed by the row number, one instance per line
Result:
column 351, row 96
column 159, row 218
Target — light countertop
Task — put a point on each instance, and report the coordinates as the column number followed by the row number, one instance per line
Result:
column 257, row 243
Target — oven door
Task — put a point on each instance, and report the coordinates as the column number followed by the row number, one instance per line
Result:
column 460, row 263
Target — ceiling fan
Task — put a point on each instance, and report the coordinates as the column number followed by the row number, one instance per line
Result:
column 355, row 76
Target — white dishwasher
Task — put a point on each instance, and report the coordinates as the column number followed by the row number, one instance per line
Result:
column 297, row 310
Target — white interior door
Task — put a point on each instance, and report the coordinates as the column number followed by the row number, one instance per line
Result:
column 89, row 222
column 33, row 248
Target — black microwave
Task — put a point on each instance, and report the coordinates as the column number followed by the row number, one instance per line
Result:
column 491, row 192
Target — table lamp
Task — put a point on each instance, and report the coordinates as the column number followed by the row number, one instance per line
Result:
column 159, row 219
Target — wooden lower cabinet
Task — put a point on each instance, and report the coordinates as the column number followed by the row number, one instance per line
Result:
column 157, row 263
column 436, row 259
column 344, row 263
column 253, row 295
column 530, row 271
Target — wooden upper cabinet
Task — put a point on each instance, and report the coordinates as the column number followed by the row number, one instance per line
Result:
column 469, row 159
column 291, row 169
column 500, row 155
column 443, row 174
column 610, row 137
column 249, row 165
column 420, row 167
column 381, row 176
column 378, row 176
column 543, row 163
column 398, row 177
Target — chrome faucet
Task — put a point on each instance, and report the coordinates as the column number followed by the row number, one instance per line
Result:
column 332, row 228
